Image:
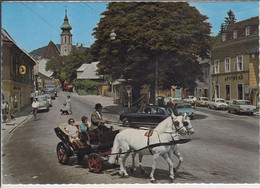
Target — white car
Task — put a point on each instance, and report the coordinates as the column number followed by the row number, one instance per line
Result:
column 44, row 105
column 202, row 101
column 48, row 97
column 241, row 106
column 218, row 103
column 191, row 99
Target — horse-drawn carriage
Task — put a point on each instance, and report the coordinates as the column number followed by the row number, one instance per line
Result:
column 97, row 148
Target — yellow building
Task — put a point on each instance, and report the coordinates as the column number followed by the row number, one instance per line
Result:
column 230, row 60
column 17, row 73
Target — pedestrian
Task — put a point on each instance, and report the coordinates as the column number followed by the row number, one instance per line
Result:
column 36, row 93
column 3, row 107
column 68, row 104
column 97, row 120
column 32, row 95
column 8, row 113
column 35, row 106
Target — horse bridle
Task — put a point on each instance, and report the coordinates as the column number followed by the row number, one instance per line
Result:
column 177, row 129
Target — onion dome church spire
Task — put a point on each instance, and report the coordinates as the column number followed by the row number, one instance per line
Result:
column 66, row 36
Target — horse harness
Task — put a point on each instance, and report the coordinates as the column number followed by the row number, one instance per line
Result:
column 150, row 132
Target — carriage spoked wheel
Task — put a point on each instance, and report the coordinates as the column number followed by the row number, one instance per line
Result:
column 62, row 153
column 95, row 163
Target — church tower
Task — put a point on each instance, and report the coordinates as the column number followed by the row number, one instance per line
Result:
column 65, row 36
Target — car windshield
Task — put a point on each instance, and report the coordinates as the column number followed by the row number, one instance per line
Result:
column 243, row 103
column 48, row 92
column 191, row 97
column 220, row 101
column 40, row 99
column 184, row 106
column 204, row 99
column 176, row 100
column 50, row 87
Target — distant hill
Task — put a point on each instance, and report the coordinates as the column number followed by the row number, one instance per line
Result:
column 38, row 52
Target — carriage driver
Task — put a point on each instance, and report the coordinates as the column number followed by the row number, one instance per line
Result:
column 96, row 118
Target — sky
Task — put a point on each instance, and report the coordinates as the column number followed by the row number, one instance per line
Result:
column 33, row 24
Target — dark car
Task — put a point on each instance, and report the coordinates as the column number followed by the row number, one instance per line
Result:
column 147, row 115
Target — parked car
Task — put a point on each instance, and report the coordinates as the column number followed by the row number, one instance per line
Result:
column 241, row 106
column 44, row 104
column 182, row 108
column 218, row 103
column 48, row 97
column 51, row 93
column 202, row 101
column 191, row 99
column 174, row 101
column 146, row 115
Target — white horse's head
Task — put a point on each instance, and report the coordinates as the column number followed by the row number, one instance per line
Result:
column 178, row 124
column 187, row 124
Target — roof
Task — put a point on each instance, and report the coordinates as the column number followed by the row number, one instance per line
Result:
column 90, row 72
column 82, row 67
column 51, row 51
column 42, row 65
column 242, row 24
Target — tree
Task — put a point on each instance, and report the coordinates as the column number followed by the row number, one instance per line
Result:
column 64, row 67
column 228, row 21
column 173, row 33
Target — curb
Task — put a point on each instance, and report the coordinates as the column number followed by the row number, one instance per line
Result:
column 19, row 123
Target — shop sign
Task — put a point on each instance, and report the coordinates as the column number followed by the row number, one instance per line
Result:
column 22, row 69
column 240, row 77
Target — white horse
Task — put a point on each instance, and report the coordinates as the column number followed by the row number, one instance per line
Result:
column 174, row 148
column 132, row 139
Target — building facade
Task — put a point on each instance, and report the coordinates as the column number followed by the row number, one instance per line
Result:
column 230, row 59
column 17, row 73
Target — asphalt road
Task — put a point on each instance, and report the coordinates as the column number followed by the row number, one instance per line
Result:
column 227, row 151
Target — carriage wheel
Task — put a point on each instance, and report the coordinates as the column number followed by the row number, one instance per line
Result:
column 62, row 153
column 95, row 163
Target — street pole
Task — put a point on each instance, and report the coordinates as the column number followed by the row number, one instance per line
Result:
column 156, row 80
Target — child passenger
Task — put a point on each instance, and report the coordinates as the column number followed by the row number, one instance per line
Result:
column 73, row 133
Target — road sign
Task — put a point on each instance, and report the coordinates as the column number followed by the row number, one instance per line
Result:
column 128, row 88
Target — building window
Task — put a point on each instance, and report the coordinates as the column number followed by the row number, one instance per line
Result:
column 224, row 37
column 239, row 63
column 206, row 74
column 247, row 30
column 216, row 66
column 234, row 34
column 227, row 92
column 240, row 91
column 216, row 92
column 227, row 64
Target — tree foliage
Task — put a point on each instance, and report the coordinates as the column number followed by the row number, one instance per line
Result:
column 230, row 19
column 64, row 67
column 173, row 33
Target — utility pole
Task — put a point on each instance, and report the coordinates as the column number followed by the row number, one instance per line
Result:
column 156, row 80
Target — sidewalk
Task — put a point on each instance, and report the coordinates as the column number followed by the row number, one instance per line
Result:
column 7, row 128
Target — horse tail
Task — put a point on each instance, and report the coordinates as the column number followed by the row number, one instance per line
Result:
column 115, row 149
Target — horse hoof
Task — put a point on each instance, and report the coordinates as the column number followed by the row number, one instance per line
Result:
column 153, row 181
column 142, row 171
column 172, row 181
column 126, row 176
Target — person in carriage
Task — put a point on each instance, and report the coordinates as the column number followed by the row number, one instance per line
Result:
column 84, row 128
column 73, row 133
column 97, row 119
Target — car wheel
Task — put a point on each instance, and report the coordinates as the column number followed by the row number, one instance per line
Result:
column 229, row 111
column 125, row 122
column 62, row 154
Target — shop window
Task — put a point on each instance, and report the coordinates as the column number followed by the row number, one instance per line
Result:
column 205, row 93
column 216, row 66
column 240, row 91
column 227, row 92
column 239, row 63
column 227, row 64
